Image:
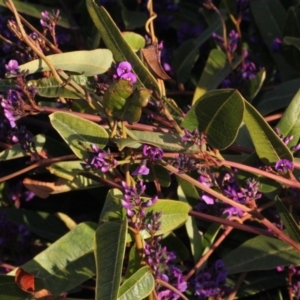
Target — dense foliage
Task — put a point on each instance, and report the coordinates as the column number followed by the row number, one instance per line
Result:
column 149, row 149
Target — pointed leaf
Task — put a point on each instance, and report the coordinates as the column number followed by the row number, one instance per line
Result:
column 138, row 286
column 134, row 40
column 289, row 222
column 219, row 115
column 88, row 63
column 114, row 40
column 134, row 262
column 267, row 144
column 260, row 253
column 66, row 169
column 290, row 40
column 289, row 124
column 68, row 262
column 74, row 129
column 216, row 70
column 109, row 246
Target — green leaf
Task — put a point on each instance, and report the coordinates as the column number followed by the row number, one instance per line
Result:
column 88, row 63
column 10, row 290
column 134, row 40
column 260, row 253
column 133, row 19
column 50, row 88
column 114, row 40
column 219, row 115
column 66, row 169
column 278, row 98
column 16, row 151
column 253, row 86
column 110, row 240
column 267, row 143
column 292, row 41
column 184, row 59
column 34, row 10
column 191, row 224
column 123, row 103
column 289, row 124
column 43, row 224
column 74, row 129
column 138, row 286
column 269, row 16
column 68, row 262
column 215, row 71
column 166, row 141
column 134, row 262
column 289, row 222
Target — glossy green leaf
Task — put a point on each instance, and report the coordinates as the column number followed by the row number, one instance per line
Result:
column 289, row 222
column 138, row 286
column 50, row 88
column 134, row 40
column 278, row 98
column 43, row 224
column 260, row 253
column 289, row 124
column 269, row 16
column 34, row 10
column 215, row 71
column 74, row 129
column 253, row 86
column 66, row 169
column 68, row 262
column 110, row 241
column 268, row 145
column 114, row 40
column 16, row 151
column 219, row 115
column 166, row 141
column 88, row 63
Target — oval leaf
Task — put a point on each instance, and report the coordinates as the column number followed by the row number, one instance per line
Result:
column 78, row 133
column 88, row 63
column 219, row 115
column 138, row 286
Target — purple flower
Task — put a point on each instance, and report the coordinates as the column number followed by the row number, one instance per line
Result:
column 124, row 72
column 284, row 165
column 184, row 164
column 196, row 137
column 142, row 169
column 100, row 160
column 12, row 67
column 152, row 153
column 276, row 45
column 48, row 21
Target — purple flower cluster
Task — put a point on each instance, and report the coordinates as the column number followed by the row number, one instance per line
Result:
column 232, row 41
column 211, row 282
column 100, row 160
column 10, row 106
column 293, row 276
column 12, row 67
column 286, row 140
column 150, row 153
column 161, row 261
column 48, row 20
column 196, row 137
column 124, row 71
column 227, row 184
column 184, row 164
column 23, row 137
column 135, row 205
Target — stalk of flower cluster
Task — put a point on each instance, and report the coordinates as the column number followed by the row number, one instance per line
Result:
column 244, row 208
